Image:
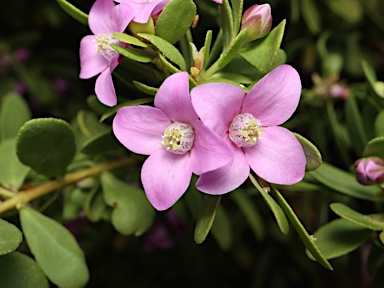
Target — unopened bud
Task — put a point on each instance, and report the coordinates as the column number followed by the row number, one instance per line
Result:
column 258, row 21
column 370, row 170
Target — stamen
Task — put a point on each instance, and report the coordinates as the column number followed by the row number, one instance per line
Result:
column 178, row 138
column 103, row 45
column 245, row 130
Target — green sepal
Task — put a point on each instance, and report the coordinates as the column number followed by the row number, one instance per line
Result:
column 346, row 183
column 55, row 249
column 357, row 218
column 135, row 102
column 74, row 12
column 47, row 145
column 312, row 154
column 145, row 88
column 20, row 271
column 206, row 217
column 263, row 53
column 167, row 49
column 375, row 147
column 339, row 237
column 10, row 238
column 175, row 19
column 308, row 241
column 128, row 39
column 132, row 213
column 233, row 49
column 14, row 112
column 227, row 23
column 133, row 54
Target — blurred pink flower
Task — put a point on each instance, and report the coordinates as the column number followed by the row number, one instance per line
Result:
column 177, row 142
column 249, row 125
column 370, row 170
column 96, row 54
column 21, row 54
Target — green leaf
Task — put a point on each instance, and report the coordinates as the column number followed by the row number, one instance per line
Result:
column 307, row 240
column 13, row 172
column 167, row 49
column 311, row 15
column 378, row 87
column 339, row 237
column 280, row 59
column 96, row 105
column 263, row 53
column 206, row 217
column 227, row 23
column 47, row 145
column 379, row 124
column 55, row 249
column 375, row 147
column 20, row 271
column 355, row 217
column 89, row 124
column 145, row 88
column 237, row 9
column 369, row 72
column 133, row 54
column 125, row 38
column 10, row 237
column 132, row 213
column 346, row 183
column 135, row 102
column 207, row 47
column 250, row 212
column 381, row 236
column 175, row 19
column 233, row 49
column 74, row 12
column 221, row 229
column 14, row 112
column 94, row 205
column 312, row 154
column 349, row 10
column 99, row 144
column 281, row 220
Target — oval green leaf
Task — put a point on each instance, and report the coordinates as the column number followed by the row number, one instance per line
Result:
column 55, row 249
column 47, row 145
column 10, row 237
column 19, row 271
column 222, row 230
column 206, row 217
column 133, row 54
column 312, row 154
column 125, row 38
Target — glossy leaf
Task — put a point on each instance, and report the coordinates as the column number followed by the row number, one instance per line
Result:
column 167, row 49
column 132, row 212
column 14, row 112
column 128, row 39
column 47, row 145
column 346, row 183
column 13, row 172
column 206, row 217
column 133, row 54
column 375, row 147
column 20, row 271
column 145, row 88
column 74, row 12
column 175, row 19
column 339, row 237
column 10, row 237
column 233, row 49
column 55, row 249
column 355, row 217
column 281, row 220
column 135, row 102
column 263, row 53
column 312, row 154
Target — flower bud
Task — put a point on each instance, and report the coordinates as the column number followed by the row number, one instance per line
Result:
column 370, row 170
column 258, row 21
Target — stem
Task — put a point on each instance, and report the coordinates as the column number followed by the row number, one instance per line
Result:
column 27, row 195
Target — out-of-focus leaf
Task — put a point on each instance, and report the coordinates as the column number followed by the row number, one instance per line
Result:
column 379, row 124
column 349, row 10
column 312, row 154
column 10, row 238
column 74, row 12
column 206, row 217
column 99, row 144
column 94, row 205
column 378, row 87
column 311, row 16
column 221, row 229
column 55, row 249
column 135, row 102
column 375, row 147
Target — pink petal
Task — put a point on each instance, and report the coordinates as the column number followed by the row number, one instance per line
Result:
column 277, row 157
column 209, row 151
column 165, row 177
column 139, row 128
column 174, row 100
column 275, row 97
column 218, row 1
column 226, row 178
column 104, row 88
column 123, row 15
column 91, row 62
column 143, row 8
column 101, row 18
column 217, row 104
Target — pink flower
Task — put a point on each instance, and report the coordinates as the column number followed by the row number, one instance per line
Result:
column 218, row 1
column 249, row 125
column 370, row 170
column 178, row 143
column 145, row 8
column 96, row 54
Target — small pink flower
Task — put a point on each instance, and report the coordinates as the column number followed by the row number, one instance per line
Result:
column 249, row 125
column 370, row 170
column 258, row 21
column 96, row 54
column 177, row 142
column 145, row 8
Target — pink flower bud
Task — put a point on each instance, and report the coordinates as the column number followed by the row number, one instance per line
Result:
column 258, row 21
column 370, row 170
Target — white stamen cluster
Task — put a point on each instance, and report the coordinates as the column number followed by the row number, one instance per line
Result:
column 178, row 138
column 245, row 130
column 103, row 45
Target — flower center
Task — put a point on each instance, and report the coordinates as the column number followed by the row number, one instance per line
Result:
column 178, row 138
column 103, row 44
column 245, row 130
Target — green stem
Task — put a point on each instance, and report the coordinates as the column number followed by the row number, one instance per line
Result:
column 25, row 196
